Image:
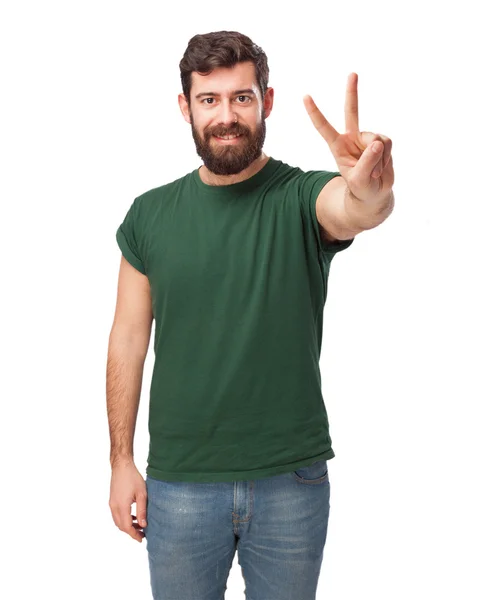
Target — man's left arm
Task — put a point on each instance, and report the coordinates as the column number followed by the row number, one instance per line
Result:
column 341, row 215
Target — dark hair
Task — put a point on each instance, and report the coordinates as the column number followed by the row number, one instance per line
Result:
column 208, row 51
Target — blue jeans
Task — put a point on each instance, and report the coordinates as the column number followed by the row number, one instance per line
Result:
column 278, row 524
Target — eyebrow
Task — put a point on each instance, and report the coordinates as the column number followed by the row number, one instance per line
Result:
column 245, row 91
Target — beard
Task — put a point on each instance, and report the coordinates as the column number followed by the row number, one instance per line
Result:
column 229, row 159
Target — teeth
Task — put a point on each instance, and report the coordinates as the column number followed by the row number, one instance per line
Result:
column 229, row 137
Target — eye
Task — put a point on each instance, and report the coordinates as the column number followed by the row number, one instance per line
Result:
column 211, row 98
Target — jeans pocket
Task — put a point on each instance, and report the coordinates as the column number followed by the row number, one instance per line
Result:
column 312, row 474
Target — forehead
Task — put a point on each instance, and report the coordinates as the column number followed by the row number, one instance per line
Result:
column 225, row 80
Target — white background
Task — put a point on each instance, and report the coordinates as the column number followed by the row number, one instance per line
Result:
column 90, row 120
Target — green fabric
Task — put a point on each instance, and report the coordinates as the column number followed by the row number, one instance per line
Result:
column 238, row 278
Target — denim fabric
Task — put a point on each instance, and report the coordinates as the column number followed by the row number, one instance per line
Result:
column 277, row 524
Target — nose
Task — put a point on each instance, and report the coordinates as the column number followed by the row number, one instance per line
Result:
column 227, row 116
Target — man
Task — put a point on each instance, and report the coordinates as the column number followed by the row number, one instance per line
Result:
column 232, row 262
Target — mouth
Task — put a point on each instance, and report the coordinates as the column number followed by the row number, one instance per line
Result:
column 233, row 140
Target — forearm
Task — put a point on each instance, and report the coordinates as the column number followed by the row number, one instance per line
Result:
column 362, row 215
column 124, row 375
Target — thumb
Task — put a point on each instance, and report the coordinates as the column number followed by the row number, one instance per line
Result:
column 141, row 500
column 367, row 161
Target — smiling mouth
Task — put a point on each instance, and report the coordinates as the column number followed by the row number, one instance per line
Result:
column 228, row 139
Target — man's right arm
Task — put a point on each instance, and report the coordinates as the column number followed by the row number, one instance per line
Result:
column 127, row 350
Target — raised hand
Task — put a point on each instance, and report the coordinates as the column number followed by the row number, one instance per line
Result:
column 368, row 172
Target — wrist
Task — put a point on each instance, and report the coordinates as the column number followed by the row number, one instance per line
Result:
column 121, row 460
column 367, row 215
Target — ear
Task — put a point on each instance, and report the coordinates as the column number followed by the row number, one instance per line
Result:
column 268, row 101
column 184, row 107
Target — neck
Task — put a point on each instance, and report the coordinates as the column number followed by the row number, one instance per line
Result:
column 211, row 179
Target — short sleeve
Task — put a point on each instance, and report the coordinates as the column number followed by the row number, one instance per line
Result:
column 127, row 237
column 310, row 184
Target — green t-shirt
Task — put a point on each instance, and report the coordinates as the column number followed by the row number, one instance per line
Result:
column 238, row 277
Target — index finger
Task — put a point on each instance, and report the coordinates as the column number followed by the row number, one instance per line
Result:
column 125, row 522
column 319, row 120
